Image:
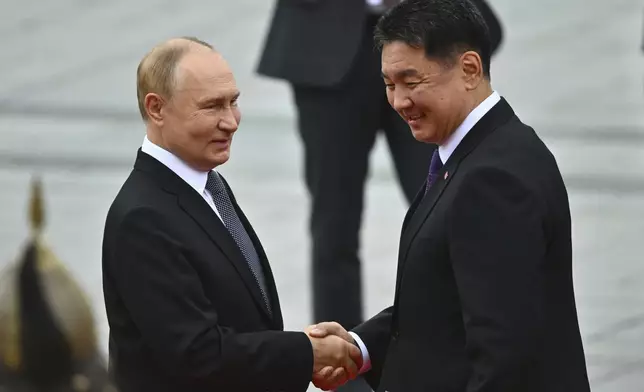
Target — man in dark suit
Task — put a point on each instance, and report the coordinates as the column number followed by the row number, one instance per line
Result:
column 324, row 49
column 484, row 297
column 191, row 301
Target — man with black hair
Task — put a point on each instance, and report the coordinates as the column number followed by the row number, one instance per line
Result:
column 325, row 50
column 484, row 296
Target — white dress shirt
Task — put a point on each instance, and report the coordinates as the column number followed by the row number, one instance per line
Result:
column 196, row 179
column 445, row 150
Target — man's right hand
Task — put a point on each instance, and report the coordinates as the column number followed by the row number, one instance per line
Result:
column 335, row 361
column 322, row 330
column 332, row 376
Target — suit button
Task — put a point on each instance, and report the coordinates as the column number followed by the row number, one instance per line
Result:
column 395, row 335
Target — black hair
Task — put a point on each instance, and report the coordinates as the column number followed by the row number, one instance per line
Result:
column 443, row 28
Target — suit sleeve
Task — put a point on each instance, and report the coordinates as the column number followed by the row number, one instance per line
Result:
column 164, row 298
column 497, row 249
column 375, row 334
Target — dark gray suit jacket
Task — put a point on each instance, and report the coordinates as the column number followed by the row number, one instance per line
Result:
column 314, row 42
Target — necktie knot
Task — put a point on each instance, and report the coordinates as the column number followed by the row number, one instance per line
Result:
column 435, row 166
column 214, row 184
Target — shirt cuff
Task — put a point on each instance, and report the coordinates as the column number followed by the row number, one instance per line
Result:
column 366, row 361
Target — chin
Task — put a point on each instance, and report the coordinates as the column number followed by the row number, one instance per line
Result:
column 220, row 158
column 422, row 135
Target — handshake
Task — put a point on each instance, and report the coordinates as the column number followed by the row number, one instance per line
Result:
column 336, row 358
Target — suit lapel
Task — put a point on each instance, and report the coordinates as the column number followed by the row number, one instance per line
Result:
column 412, row 208
column 199, row 210
column 268, row 273
column 201, row 213
column 425, row 207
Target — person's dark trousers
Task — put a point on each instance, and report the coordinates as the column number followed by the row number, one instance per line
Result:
column 338, row 127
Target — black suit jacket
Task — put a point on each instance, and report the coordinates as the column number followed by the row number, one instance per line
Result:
column 484, row 294
column 184, row 309
column 314, row 42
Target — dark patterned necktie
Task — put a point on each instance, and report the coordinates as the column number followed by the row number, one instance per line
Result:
column 435, row 166
column 215, row 186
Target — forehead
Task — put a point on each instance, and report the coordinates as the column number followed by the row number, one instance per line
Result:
column 205, row 73
column 400, row 60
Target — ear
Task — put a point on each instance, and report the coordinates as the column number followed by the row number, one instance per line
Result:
column 472, row 68
column 154, row 105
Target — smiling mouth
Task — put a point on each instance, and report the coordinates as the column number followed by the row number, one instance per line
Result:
column 413, row 118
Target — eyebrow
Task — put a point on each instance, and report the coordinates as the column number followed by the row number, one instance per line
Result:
column 401, row 74
column 219, row 99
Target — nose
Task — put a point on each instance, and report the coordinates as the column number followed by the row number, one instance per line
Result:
column 229, row 121
column 400, row 100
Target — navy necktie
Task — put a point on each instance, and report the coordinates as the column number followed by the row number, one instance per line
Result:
column 215, row 186
column 435, row 166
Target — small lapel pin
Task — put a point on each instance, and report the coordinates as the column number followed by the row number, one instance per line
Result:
column 446, row 175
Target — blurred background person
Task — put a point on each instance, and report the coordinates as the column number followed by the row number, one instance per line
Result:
column 325, row 50
column 47, row 334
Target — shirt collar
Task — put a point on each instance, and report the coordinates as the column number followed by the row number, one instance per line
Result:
column 446, row 149
column 194, row 178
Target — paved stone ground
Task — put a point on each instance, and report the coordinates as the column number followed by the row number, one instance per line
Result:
column 571, row 68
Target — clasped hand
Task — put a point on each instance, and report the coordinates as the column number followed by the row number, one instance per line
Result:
column 336, row 359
